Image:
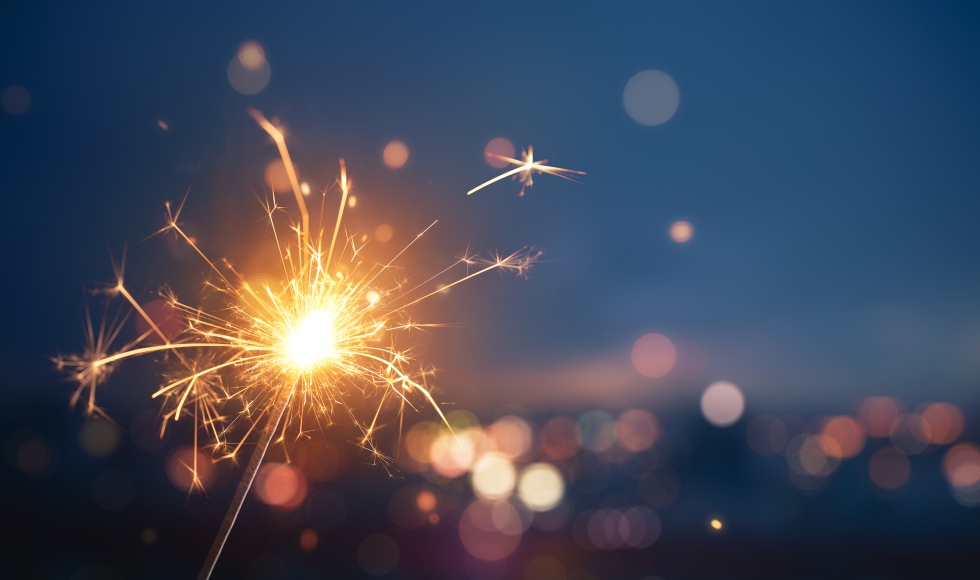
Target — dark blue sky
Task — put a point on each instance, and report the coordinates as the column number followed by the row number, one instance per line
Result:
column 827, row 155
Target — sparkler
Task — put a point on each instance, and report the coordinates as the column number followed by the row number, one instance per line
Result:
column 525, row 170
column 329, row 333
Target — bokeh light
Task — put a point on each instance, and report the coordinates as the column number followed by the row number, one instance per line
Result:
column 634, row 527
column 722, row 404
column 148, row 536
column 843, row 437
column 889, row 468
column 98, row 438
column 511, row 436
column 541, row 487
column 651, row 97
column 490, row 531
column 878, row 414
column 560, row 438
column 249, row 71
column 15, row 100
column 681, row 231
column 251, row 55
column 499, row 146
column 308, row 540
column 637, row 430
column 941, row 423
column 544, row 567
column 910, row 434
column 383, row 233
column 395, row 154
column 281, row 486
column 961, row 468
column 181, row 468
column 33, row 455
column 276, row 176
column 378, row 554
column 653, row 355
column 493, row 476
column 961, row 465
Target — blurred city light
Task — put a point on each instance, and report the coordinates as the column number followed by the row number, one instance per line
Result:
column 395, row 154
column 681, row 231
column 383, row 233
column 249, row 71
column 653, row 355
column 541, row 487
column 722, row 404
column 651, row 97
column 498, row 146
column 98, row 438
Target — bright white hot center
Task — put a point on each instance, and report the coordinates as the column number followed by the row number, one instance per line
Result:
column 313, row 340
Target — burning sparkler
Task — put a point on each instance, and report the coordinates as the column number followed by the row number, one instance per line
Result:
column 525, row 170
column 283, row 352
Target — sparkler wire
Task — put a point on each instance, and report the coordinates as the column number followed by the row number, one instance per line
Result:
column 275, row 417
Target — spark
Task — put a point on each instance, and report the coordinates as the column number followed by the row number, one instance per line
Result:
column 525, row 170
column 333, row 333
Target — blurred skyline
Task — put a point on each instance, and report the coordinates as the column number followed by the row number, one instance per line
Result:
column 824, row 155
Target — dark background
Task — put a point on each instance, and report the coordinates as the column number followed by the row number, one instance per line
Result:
column 825, row 153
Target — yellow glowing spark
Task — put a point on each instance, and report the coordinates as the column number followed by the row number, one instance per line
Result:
column 525, row 170
column 331, row 333
column 716, row 524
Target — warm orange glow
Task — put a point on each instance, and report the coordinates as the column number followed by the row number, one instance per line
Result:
column 942, row 423
column 383, row 233
column 653, row 355
column 846, row 435
column 496, row 152
column 681, row 231
column 308, row 540
column 395, row 154
column 276, row 176
column 426, row 501
column 961, row 465
column 878, row 414
column 251, row 55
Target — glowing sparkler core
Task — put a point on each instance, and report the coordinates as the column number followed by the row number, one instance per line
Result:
column 314, row 340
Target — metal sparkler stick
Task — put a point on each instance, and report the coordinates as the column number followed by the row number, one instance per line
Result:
column 275, row 417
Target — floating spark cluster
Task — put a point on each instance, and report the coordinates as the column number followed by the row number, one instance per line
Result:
column 525, row 170
column 324, row 339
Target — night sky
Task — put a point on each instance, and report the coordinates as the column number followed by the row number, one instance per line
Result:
column 826, row 157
